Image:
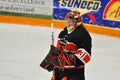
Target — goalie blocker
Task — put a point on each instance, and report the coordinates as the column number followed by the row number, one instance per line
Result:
column 46, row 63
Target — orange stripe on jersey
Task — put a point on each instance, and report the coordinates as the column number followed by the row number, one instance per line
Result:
column 83, row 55
column 59, row 45
column 70, row 46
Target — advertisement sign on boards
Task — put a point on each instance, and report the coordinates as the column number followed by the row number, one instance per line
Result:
column 95, row 12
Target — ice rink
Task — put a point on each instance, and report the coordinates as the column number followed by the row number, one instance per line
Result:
column 22, row 48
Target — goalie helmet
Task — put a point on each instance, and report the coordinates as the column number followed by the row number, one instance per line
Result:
column 74, row 15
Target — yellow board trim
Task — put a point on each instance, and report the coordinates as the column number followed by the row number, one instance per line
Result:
column 58, row 24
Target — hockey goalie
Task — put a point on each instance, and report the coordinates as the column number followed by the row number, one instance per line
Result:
column 73, row 50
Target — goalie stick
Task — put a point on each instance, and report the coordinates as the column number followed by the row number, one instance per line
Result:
column 52, row 36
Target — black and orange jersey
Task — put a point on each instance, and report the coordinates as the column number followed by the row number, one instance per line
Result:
column 77, row 42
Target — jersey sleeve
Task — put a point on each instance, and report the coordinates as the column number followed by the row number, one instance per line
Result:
column 83, row 52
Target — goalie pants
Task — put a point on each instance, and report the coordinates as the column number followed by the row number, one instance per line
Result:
column 69, row 74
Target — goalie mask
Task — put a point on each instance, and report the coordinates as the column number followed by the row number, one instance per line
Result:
column 75, row 17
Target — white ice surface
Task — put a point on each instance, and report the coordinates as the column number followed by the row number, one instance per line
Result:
column 22, row 48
